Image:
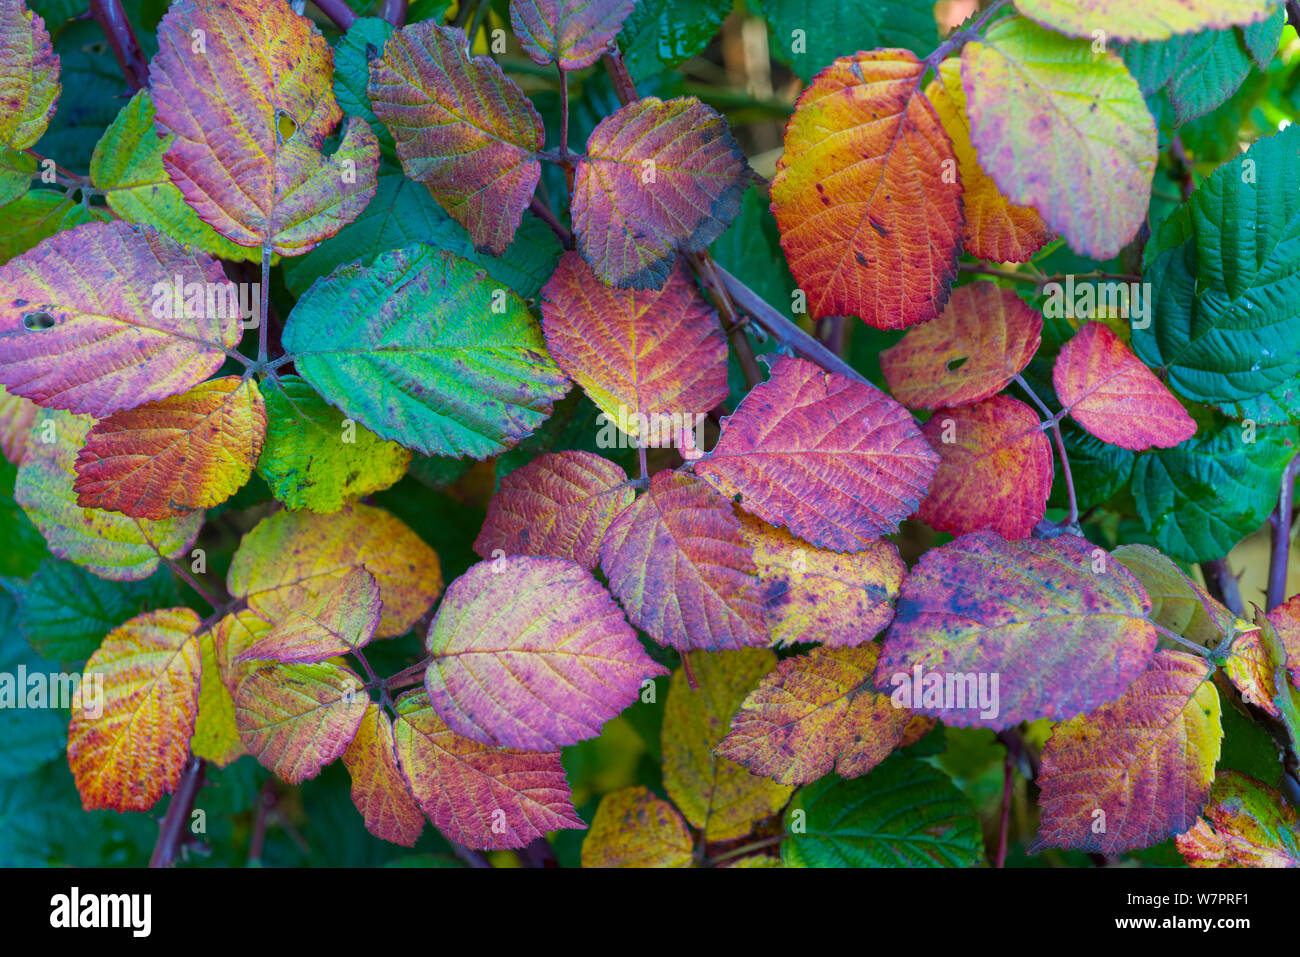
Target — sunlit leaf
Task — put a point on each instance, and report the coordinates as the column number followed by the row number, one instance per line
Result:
column 342, row 617
column 633, row 828
column 1150, row 20
column 1177, row 602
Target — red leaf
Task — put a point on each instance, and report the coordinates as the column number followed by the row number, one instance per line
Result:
column 378, row 788
column 573, row 33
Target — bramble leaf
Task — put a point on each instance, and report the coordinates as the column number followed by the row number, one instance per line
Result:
column 378, row 788
column 1152, row 20
column 1177, row 602
column 837, row 462
column 89, row 320
column 829, row 27
column 16, row 417
column 130, row 733
column 251, row 107
column 659, row 176
column 532, row 653
column 721, row 798
column 572, row 33
column 1244, row 824
column 1058, row 627
column 426, row 349
column 342, row 617
column 1286, row 619
column 995, row 468
column 216, row 735
column 462, row 128
column 870, row 223
column 559, row 504
column 29, row 76
column 633, row 828
column 1144, row 761
column 1062, row 129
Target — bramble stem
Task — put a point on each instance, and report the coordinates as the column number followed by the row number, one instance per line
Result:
column 544, row 213
column 745, row 849
column 179, row 571
column 1222, row 584
column 1073, row 517
column 263, row 306
column 172, row 833
column 1281, row 530
column 1039, row 279
column 121, row 39
column 338, row 12
column 394, row 11
column 732, row 324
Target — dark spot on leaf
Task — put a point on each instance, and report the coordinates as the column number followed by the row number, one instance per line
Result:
column 952, row 365
column 39, row 320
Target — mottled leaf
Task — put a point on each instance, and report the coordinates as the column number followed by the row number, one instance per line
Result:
column 343, row 616
column 130, row 734
column 1145, row 761
column 29, row 76
column 230, row 636
column 16, row 417
column 572, row 33
column 658, row 176
column 1057, row 626
column 378, row 788
column 1177, row 602
column 1149, row 20
column 1063, row 129
column 633, row 828
column 425, row 348
column 837, row 462
column 1286, row 619
column 1244, row 824
column 719, row 797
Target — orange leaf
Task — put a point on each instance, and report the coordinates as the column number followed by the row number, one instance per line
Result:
column 378, row 788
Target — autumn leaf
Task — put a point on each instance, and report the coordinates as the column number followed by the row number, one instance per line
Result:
column 1137, row 770
column 462, row 128
column 1057, row 626
column 1114, row 396
column 479, row 796
column 1063, row 129
column 572, row 33
column 216, row 736
column 88, row 321
column 721, row 798
column 1150, row 20
column 867, row 195
column 230, row 636
column 837, row 462
column 342, row 617
column 813, row 714
column 678, row 562
column 109, row 544
column 130, row 732
column 378, row 788
column 365, row 335
column 1177, row 602
column 659, row 176
column 995, row 229
column 1244, row 824
column 647, row 358
column 290, row 558
column 16, row 417
column 633, row 828
column 1286, row 619
column 29, row 76
column 532, row 653
column 245, row 87
column 559, row 504
column 171, row 456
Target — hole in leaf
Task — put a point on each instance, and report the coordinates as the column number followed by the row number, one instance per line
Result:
column 285, row 126
column 954, row 364
column 39, row 320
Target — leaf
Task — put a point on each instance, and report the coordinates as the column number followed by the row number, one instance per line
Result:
column 1253, row 672
column 1145, row 761
column 904, row 814
column 341, row 618
column 426, row 349
column 297, row 718
column 39, row 214
column 633, row 828
column 995, row 468
column 559, row 504
column 462, row 128
column 127, row 166
column 262, row 70
column 717, row 796
column 290, row 558
column 29, row 76
column 216, row 735
column 660, row 34
column 481, row 797
column 1199, row 499
column 378, row 788
column 1062, row 129
column 659, row 176
column 828, row 27
column 1114, row 396
column 171, row 456
column 650, row 359
column 1226, row 272
column 837, row 462
column 78, row 333
column 129, row 736
column 107, row 543
column 813, row 714
column 983, row 340
column 30, row 738
column 1244, row 824
column 1152, row 20
column 16, row 172
column 16, row 417
column 995, row 229
column 1177, row 602
column 230, row 636
column 308, row 460
column 66, row 611
column 810, row 594
column 352, row 78
column 678, row 562
column 1032, row 615
column 572, row 33
column 1286, row 619
column 869, row 223
column 532, row 653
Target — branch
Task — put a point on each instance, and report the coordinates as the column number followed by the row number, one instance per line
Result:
column 732, row 324
column 394, row 11
column 172, row 833
column 624, row 88
column 1281, row 522
column 338, row 12
column 469, row 856
column 1293, row 14
column 543, row 212
column 1072, row 519
column 1222, row 584
column 121, row 38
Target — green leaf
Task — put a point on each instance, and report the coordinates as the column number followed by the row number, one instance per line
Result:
column 1098, row 468
column 903, row 814
column 31, row 730
column 24, row 546
column 750, row 250
column 426, row 349
column 660, row 34
column 1200, row 498
column 809, row 34
column 37, row 215
column 352, row 73
column 16, row 172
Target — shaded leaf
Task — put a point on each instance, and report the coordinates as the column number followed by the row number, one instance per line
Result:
column 1244, row 824
column 1177, row 602
column 16, row 417
column 1286, row 619
column 573, row 33
column 633, row 828
column 216, row 735
column 829, row 27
